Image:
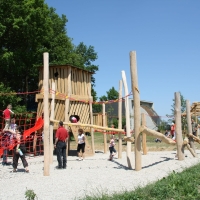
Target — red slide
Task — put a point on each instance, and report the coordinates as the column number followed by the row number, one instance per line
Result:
column 38, row 125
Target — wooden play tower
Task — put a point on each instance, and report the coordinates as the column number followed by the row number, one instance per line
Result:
column 73, row 92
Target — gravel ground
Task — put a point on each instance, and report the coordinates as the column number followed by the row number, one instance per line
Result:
column 94, row 176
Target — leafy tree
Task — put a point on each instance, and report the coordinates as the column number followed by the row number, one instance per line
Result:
column 112, row 94
column 103, row 98
column 28, row 28
column 7, row 96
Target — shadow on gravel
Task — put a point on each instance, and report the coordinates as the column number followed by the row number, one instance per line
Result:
column 72, row 153
column 156, row 163
column 120, row 166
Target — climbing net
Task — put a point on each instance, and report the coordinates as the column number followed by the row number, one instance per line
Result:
column 33, row 143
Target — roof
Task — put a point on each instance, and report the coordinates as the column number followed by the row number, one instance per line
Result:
column 194, row 109
column 62, row 66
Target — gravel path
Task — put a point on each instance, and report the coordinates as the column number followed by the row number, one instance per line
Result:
column 95, row 175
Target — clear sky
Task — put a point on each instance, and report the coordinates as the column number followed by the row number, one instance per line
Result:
column 164, row 33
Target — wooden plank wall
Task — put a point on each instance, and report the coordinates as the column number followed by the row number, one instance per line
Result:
column 81, row 109
column 98, row 119
column 80, row 85
column 80, row 81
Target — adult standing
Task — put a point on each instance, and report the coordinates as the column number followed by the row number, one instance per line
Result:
column 81, row 144
column 60, row 145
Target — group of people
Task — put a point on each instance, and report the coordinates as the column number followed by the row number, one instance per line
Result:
column 62, row 137
column 172, row 134
column 12, row 136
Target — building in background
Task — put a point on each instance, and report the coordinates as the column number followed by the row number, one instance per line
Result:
column 146, row 107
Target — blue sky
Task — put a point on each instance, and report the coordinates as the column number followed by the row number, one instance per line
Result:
column 164, row 33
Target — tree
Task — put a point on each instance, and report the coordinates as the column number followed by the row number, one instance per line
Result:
column 7, row 96
column 28, row 28
column 112, row 94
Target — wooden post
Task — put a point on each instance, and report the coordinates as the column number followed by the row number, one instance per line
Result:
column 196, row 120
column 120, row 120
column 128, row 134
column 104, row 123
column 91, row 122
column 136, row 96
column 144, row 136
column 189, row 126
column 67, row 104
column 67, row 119
column 46, row 114
column 51, row 123
column 178, row 128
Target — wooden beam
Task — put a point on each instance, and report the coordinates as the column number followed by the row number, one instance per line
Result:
column 104, row 135
column 136, row 95
column 51, row 124
column 157, row 135
column 178, row 128
column 89, row 125
column 92, row 129
column 46, row 114
column 189, row 126
column 120, row 120
column 61, row 96
column 144, row 137
column 128, row 134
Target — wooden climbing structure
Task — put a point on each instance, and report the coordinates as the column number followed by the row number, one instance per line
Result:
column 73, row 92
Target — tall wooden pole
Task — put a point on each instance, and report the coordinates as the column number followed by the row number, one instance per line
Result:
column 91, row 122
column 135, row 90
column 128, row 133
column 51, row 123
column 144, row 136
column 178, row 128
column 67, row 104
column 104, row 124
column 196, row 120
column 46, row 114
column 189, row 126
column 120, row 120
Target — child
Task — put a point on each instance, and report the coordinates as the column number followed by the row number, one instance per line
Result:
column 19, row 151
column 6, row 113
column 112, row 147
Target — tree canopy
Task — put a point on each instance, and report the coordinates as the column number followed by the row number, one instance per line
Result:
column 112, row 94
column 28, row 28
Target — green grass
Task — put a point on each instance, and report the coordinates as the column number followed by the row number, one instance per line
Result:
column 177, row 186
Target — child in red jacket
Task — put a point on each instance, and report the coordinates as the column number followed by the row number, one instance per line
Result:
column 7, row 115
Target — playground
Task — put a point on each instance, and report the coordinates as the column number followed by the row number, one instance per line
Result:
column 139, row 161
column 95, row 176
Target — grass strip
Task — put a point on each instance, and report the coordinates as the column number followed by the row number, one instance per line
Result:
column 176, row 186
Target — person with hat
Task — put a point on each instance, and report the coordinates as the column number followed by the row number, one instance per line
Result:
column 60, row 145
